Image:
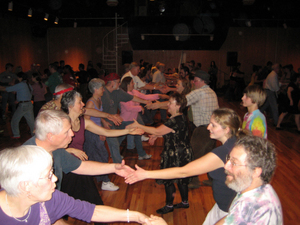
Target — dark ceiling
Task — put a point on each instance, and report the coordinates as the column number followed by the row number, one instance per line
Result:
column 89, row 13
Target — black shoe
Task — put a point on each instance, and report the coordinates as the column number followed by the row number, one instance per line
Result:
column 181, row 205
column 193, row 186
column 207, row 182
column 165, row 209
column 279, row 128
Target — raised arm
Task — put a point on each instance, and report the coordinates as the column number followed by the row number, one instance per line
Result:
column 205, row 164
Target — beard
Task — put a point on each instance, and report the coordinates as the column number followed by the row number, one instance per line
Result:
column 239, row 182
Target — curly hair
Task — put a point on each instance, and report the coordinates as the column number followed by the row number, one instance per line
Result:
column 180, row 100
column 260, row 153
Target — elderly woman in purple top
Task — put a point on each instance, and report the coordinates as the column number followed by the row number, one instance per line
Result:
column 29, row 196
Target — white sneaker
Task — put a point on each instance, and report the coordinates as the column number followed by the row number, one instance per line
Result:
column 145, row 157
column 109, row 186
column 144, row 138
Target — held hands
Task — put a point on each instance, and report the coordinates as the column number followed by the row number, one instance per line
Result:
column 116, row 119
column 135, row 176
column 135, row 124
column 152, row 106
column 148, row 105
column 123, row 170
column 136, row 131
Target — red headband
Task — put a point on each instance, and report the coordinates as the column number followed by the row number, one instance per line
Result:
column 63, row 91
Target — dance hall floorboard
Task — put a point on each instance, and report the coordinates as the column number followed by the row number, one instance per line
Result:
column 147, row 196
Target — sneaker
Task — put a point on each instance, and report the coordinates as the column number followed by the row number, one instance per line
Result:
column 145, row 157
column 109, row 186
column 165, row 209
column 181, row 205
column 144, row 138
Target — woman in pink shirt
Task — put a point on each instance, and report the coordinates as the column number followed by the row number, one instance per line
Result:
column 129, row 112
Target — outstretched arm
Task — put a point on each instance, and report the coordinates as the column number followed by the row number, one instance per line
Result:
column 205, row 164
column 161, row 130
column 109, row 214
column 98, row 168
column 116, row 119
column 92, row 127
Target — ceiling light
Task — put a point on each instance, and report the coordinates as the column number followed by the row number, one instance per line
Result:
column 75, row 24
column 46, row 16
column 10, row 6
column 177, row 38
column 143, row 37
column 56, row 20
column 29, row 12
column 211, row 38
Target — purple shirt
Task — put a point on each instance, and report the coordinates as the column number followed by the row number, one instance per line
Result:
column 59, row 205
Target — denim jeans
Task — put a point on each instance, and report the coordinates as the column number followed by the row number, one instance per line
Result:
column 10, row 98
column 133, row 140
column 271, row 103
column 24, row 109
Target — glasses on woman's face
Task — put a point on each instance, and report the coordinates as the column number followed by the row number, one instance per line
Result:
column 232, row 162
column 49, row 177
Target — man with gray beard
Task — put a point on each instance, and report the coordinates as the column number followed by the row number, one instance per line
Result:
column 249, row 168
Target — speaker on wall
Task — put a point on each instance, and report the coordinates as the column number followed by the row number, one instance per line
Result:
column 127, row 57
column 231, row 58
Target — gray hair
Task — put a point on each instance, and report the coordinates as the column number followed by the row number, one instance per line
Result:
column 23, row 163
column 260, row 153
column 68, row 99
column 133, row 65
column 61, row 87
column 96, row 83
column 49, row 121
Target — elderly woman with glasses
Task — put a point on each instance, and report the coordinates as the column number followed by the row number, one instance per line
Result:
column 28, row 194
column 224, row 126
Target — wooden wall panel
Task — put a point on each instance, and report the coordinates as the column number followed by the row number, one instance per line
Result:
column 254, row 46
column 71, row 45
column 19, row 47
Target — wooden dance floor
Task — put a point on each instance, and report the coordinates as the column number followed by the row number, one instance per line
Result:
column 147, row 196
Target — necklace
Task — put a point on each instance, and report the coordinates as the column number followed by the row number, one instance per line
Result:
column 25, row 220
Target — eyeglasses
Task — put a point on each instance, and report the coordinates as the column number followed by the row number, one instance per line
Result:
column 50, row 175
column 232, row 162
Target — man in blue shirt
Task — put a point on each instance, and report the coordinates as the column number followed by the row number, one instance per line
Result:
column 25, row 107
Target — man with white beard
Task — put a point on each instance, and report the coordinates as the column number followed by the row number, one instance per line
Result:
column 249, row 168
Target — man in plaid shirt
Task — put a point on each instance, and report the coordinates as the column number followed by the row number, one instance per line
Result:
column 203, row 101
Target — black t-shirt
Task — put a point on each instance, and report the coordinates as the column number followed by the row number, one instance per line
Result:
column 223, row 195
